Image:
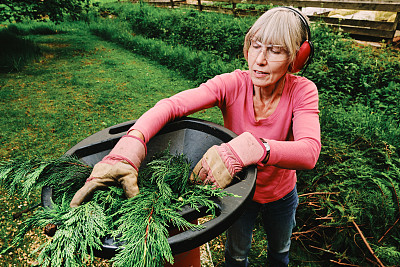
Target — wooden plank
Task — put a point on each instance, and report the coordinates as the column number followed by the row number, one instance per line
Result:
column 365, row 31
column 337, row 4
column 166, row 3
column 200, row 6
column 378, row 25
column 397, row 21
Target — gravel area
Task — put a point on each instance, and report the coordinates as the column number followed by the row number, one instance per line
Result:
column 205, row 256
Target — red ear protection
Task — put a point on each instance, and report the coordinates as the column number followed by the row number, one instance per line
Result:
column 306, row 50
column 302, row 56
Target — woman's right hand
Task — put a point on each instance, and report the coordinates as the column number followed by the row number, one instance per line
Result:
column 120, row 167
column 221, row 163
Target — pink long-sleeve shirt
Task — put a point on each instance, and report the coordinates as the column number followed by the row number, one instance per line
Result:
column 292, row 131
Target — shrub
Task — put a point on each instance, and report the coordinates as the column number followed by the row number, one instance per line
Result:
column 196, row 65
column 219, row 34
column 346, row 124
column 347, row 72
column 32, row 27
column 54, row 10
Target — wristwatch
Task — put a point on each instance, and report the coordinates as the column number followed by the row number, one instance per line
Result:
column 268, row 149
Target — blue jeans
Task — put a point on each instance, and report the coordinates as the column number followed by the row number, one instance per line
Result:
column 279, row 220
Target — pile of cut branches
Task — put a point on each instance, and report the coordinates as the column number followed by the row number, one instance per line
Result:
column 349, row 208
column 140, row 223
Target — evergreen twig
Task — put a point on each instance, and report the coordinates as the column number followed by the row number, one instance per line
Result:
column 139, row 224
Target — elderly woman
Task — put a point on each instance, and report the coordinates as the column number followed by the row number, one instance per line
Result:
column 275, row 115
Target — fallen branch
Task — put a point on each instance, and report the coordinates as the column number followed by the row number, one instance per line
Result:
column 314, row 205
column 390, row 228
column 304, row 232
column 366, row 243
column 345, row 264
column 324, row 218
column 312, row 231
column 324, row 250
column 398, row 205
column 319, row 193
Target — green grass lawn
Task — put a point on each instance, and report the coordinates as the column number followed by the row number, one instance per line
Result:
column 79, row 85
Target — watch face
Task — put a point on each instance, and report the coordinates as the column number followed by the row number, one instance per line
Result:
column 267, row 146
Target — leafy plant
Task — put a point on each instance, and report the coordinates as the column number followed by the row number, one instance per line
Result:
column 219, row 34
column 34, row 27
column 140, row 224
column 346, row 72
column 54, row 10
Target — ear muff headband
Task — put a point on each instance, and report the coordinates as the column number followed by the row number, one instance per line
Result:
column 306, row 50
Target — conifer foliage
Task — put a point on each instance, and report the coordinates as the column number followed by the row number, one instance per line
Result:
column 140, row 224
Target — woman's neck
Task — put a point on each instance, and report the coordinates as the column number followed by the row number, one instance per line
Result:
column 265, row 94
column 266, row 100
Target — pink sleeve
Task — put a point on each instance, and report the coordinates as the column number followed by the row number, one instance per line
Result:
column 166, row 110
column 207, row 95
column 303, row 151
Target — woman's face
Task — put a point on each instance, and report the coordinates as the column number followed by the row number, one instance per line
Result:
column 267, row 64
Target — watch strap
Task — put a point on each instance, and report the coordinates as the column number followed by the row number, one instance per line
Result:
column 268, row 149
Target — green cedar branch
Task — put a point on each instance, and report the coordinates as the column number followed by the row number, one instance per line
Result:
column 140, row 225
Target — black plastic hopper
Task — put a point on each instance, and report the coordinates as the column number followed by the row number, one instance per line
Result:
column 191, row 137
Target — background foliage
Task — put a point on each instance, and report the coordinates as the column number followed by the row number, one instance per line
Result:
column 54, row 10
column 356, row 180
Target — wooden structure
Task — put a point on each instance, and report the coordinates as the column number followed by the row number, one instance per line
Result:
column 376, row 29
column 381, row 29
